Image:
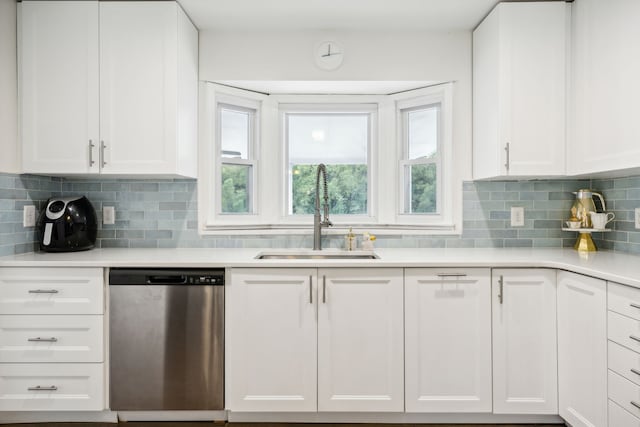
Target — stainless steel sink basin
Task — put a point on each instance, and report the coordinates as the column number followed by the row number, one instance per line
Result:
column 317, row 255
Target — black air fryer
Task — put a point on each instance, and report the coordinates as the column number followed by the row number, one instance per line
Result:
column 67, row 225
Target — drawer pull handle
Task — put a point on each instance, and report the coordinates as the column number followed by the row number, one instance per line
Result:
column 40, row 388
column 452, row 274
column 634, row 305
column 635, row 371
column 43, row 291
column 39, row 339
column 635, row 338
column 636, row 404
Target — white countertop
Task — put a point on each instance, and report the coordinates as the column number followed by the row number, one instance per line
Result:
column 617, row 267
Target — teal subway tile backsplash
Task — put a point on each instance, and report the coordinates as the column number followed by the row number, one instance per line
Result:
column 163, row 214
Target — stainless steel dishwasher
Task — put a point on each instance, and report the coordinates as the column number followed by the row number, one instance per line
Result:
column 166, row 338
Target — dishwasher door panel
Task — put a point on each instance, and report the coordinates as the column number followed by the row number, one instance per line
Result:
column 166, row 347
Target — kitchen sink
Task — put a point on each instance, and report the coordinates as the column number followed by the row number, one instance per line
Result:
column 310, row 254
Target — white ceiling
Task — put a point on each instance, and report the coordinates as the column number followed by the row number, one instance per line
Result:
column 328, row 86
column 381, row 15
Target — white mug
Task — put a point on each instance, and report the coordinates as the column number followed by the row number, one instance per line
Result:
column 600, row 220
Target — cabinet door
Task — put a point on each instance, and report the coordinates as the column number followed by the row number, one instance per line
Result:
column 59, row 86
column 525, row 377
column 138, row 79
column 360, row 334
column 448, row 340
column 604, row 127
column 519, row 74
column 582, row 350
column 271, row 340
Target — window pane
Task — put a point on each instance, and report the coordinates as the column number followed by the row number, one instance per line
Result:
column 347, row 186
column 423, row 132
column 236, row 185
column 340, row 141
column 234, row 133
column 421, row 188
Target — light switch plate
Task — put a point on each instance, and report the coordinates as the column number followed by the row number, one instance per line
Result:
column 29, row 216
column 517, row 216
column 637, row 217
column 108, row 215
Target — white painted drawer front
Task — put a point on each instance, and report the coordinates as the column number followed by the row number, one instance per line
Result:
column 618, row 417
column 51, row 291
column 624, row 330
column 74, row 387
column 51, row 338
column 624, row 362
column 624, row 300
column 623, row 392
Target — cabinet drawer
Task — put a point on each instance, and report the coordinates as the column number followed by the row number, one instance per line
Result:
column 624, row 300
column 624, row 362
column 624, row 392
column 51, row 291
column 624, row 330
column 49, row 339
column 618, row 417
column 63, row 387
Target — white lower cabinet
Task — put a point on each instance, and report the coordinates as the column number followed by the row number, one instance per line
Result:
column 52, row 339
column 360, row 343
column 299, row 340
column 582, row 350
column 525, row 371
column 271, row 340
column 448, row 340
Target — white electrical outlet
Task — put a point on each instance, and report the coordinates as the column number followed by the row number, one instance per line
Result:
column 637, row 217
column 29, row 216
column 517, row 216
column 108, row 215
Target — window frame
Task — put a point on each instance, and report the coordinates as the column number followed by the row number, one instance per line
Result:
column 271, row 165
column 330, row 108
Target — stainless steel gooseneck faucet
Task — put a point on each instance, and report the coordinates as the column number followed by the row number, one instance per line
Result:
column 317, row 223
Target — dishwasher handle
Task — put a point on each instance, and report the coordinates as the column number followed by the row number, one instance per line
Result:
column 167, row 280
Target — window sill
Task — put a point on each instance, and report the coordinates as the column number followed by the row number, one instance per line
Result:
column 338, row 229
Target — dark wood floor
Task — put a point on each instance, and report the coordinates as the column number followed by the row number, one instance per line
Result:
column 221, row 424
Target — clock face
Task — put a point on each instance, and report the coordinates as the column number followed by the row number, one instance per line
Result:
column 329, row 55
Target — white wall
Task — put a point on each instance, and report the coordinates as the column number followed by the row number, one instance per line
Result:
column 9, row 153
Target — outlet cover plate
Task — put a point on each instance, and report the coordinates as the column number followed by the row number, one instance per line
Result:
column 108, row 215
column 517, row 216
column 29, row 216
column 637, row 217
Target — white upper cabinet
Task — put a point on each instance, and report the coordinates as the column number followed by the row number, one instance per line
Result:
column 59, row 86
column 525, row 374
column 519, row 91
column 604, row 126
column 447, row 340
column 108, row 87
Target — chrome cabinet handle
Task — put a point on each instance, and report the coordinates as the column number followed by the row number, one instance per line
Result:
column 40, row 388
column 506, row 165
column 324, row 289
column 635, row 338
column 43, row 291
column 452, row 274
column 310, row 290
column 91, row 146
column 636, row 404
column 39, row 339
column 501, row 289
column 634, row 305
column 102, row 147
column 635, row 371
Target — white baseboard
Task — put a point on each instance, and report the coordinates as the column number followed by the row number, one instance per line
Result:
column 58, row 417
column 390, row 418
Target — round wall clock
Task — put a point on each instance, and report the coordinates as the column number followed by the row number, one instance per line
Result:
column 329, row 55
